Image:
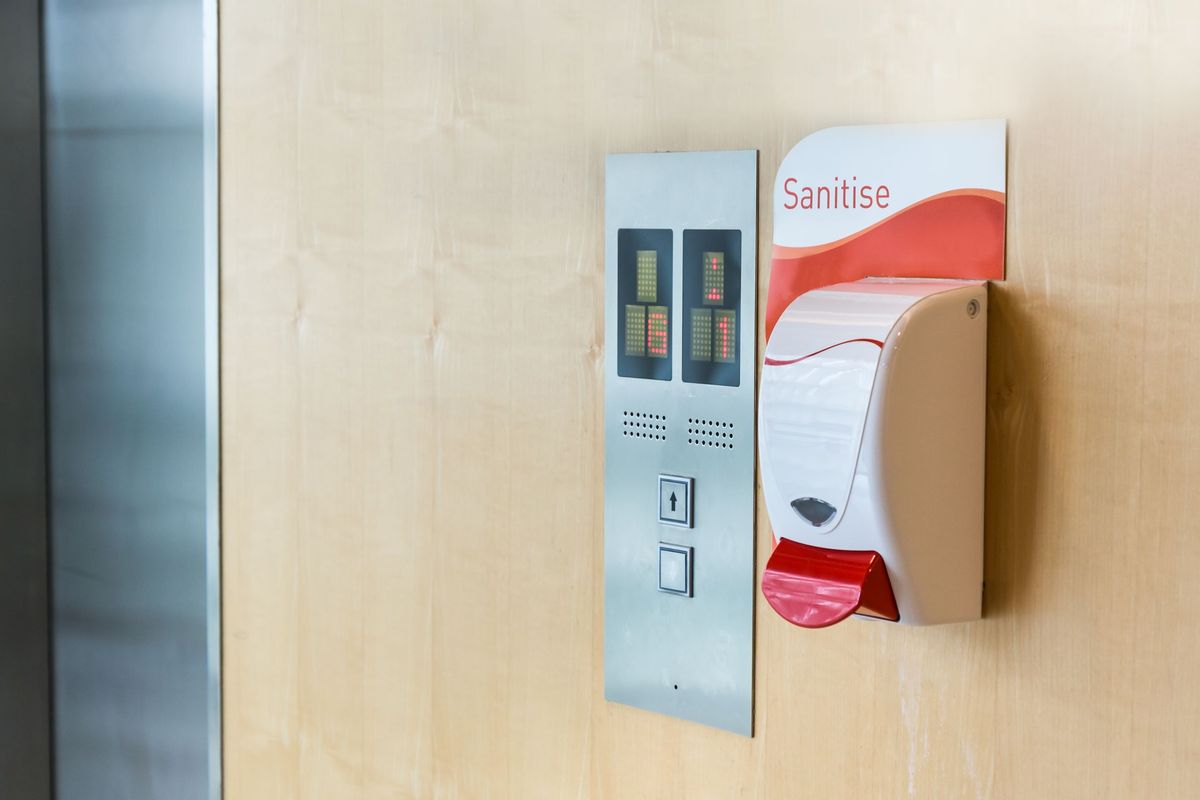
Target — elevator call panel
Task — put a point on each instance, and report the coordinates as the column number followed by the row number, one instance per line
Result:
column 679, row 403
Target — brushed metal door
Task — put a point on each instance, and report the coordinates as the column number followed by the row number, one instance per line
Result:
column 131, row 300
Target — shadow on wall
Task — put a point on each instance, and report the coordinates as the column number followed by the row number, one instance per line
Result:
column 1013, row 441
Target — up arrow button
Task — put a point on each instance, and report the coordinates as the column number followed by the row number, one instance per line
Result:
column 675, row 500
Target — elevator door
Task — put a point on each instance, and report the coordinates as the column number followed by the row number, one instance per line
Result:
column 131, row 301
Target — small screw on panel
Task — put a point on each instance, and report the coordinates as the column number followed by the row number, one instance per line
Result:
column 973, row 309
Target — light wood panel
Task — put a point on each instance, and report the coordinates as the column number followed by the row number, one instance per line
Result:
column 412, row 340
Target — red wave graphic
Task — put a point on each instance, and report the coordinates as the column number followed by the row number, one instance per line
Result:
column 783, row 362
column 956, row 235
column 790, row 252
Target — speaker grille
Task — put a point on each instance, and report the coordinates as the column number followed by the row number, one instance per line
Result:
column 644, row 425
column 710, row 433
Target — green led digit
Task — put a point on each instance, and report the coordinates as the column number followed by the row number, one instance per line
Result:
column 635, row 330
column 702, row 323
column 647, row 276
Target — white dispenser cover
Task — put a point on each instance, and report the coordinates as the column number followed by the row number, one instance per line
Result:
column 871, row 433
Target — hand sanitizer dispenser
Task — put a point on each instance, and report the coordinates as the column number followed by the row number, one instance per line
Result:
column 871, row 441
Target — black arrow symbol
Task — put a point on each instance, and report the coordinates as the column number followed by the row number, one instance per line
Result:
column 672, row 501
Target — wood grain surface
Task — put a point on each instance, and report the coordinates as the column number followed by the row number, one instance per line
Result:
column 412, row 344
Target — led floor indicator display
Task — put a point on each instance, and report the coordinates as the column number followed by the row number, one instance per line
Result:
column 644, row 303
column 711, row 297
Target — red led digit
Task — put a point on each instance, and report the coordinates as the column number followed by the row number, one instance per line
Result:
column 713, row 284
column 656, row 332
column 726, row 333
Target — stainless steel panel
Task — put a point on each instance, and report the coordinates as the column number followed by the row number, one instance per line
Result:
column 24, row 607
column 691, row 657
column 131, row 272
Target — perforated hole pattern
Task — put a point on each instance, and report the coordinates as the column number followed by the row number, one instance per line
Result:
column 710, row 433
column 642, row 425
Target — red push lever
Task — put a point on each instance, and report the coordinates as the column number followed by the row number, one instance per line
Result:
column 814, row 587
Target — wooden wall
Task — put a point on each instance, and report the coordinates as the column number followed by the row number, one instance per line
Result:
column 412, row 350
